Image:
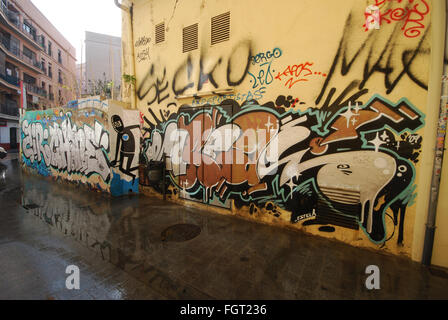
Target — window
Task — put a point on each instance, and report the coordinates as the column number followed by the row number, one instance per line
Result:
column 11, row 70
column 44, row 69
column 50, row 70
column 160, row 32
column 28, row 53
column 27, row 27
column 50, row 53
column 60, row 76
column 220, row 31
column 15, row 46
column 4, row 5
column 59, row 56
column 50, row 92
column 28, row 79
column 190, row 38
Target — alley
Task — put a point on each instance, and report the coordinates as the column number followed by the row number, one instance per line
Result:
column 135, row 247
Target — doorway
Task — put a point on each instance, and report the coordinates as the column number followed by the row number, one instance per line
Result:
column 13, row 138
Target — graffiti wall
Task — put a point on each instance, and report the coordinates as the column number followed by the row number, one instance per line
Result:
column 289, row 119
column 89, row 142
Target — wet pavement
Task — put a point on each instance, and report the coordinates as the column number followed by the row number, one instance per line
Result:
column 136, row 247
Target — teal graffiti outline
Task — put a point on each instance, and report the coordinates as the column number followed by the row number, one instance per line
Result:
column 407, row 196
column 67, row 116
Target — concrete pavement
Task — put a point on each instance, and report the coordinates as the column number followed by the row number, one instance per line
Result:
column 133, row 248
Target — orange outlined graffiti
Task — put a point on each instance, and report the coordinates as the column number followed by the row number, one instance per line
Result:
column 298, row 73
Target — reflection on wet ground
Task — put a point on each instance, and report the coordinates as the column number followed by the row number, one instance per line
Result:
column 222, row 256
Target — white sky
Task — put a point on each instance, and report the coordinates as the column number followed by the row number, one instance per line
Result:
column 74, row 17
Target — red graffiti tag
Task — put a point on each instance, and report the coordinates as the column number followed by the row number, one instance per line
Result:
column 412, row 16
column 297, row 73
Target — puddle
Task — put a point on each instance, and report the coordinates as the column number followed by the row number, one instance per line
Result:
column 181, row 233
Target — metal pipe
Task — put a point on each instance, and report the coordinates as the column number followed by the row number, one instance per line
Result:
column 122, row 7
column 130, row 31
column 164, row 176
column 435, row 188
column 428, row 244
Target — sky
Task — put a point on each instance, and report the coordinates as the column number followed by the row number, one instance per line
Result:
column 74, row 17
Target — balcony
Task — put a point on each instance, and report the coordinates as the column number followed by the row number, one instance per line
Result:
column 10, row 79
column 9, row 108
column 31, row 88
column 31, row 61
column 12, row 16
column 15, row 51
column 29, row 30
column 7, row 44
column 14, row 19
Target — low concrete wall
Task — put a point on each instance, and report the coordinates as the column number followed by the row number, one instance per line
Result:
column 90, row 142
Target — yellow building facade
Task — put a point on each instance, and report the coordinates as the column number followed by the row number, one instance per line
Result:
column 316, row 115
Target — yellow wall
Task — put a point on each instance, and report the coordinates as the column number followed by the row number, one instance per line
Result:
column 440, row 256
column 323, row 59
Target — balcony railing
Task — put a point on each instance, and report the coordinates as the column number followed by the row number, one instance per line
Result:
column 13, row 17
column 9, row 108
column 10, row 79
column 19, row 54
column 33, row 89
column 7, row 44
column 31, row 61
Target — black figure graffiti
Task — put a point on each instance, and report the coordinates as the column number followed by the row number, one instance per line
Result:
column 125, row 146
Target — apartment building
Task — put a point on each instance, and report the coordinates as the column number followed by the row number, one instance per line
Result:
column 33, row 51
column 103, row 62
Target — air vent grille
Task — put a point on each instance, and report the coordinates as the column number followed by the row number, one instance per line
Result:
column 345, row 208
column 160, row 32
column 190, row 38
column 220, row 28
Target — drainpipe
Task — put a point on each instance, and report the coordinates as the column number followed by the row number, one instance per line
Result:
column 130, row 30
column 435, row 187
column 440, row 145
column 122, row 7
